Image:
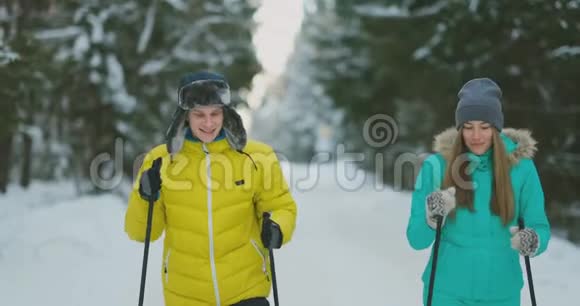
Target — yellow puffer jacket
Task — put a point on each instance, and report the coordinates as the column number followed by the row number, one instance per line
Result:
column 210, row 206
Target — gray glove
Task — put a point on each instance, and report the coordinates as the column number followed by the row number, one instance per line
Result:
column 439, row 203
column 525, row 241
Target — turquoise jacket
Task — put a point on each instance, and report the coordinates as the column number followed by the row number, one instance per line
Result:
column 476, row 260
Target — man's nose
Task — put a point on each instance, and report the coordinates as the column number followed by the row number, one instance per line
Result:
column 206, row 120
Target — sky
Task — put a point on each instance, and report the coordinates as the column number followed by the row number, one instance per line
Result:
column 278, row 23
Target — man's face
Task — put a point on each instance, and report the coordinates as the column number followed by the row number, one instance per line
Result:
column 206, row 122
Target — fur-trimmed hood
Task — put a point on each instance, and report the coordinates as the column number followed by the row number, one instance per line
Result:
column 520, row 144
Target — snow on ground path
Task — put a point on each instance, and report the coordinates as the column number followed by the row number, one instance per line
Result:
column 349, row 248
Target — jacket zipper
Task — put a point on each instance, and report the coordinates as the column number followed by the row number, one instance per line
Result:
column 167, row 265
column 210, row 228
column 264, row 267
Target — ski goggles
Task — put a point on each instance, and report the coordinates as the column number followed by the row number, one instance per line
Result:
column 204, row 92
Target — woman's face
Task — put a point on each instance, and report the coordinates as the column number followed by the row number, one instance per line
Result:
column 206, row 122
column 477, row 136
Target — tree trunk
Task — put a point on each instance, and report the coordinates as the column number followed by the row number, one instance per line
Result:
column 5, row 150
column 26, row 160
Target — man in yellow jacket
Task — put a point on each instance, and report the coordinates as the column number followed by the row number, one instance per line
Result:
column 210, row 196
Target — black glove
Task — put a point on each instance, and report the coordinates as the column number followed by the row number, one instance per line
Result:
column 271, row 233
column 150, row 182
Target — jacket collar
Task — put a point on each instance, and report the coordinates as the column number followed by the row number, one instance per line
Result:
column 190, row 137
column 193, row 144
column 518, row 142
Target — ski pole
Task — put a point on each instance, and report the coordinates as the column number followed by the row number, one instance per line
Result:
column 156, row 167
column 274, row 284
column 528, row 268
column 272, row 268
column 434, row 263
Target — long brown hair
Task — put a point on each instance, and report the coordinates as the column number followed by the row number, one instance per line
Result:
column 457, row 175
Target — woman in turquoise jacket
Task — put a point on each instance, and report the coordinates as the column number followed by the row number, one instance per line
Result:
column 481, row 180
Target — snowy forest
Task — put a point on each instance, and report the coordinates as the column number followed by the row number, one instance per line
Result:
column 77, row 76
column 408, row 59
column 87, row 88
column 80, row 77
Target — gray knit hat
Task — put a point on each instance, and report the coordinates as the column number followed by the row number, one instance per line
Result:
column 479, row 99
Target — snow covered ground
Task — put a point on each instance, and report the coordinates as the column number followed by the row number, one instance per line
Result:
column 349, row 249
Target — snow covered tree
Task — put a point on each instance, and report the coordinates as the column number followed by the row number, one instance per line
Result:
column 297, row 116
column 23, row 72
column 408, row 59
column 107, row 71
column 535, row 60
